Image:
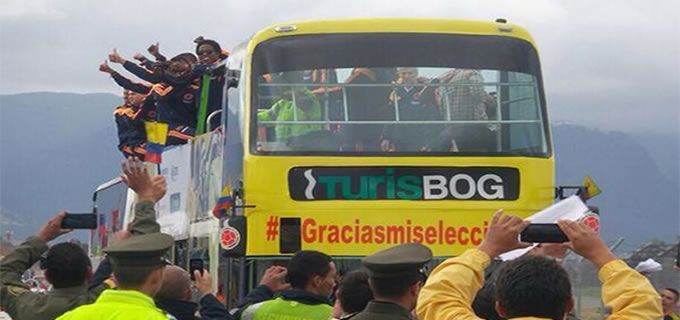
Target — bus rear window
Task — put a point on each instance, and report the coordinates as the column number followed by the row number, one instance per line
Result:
column 404, row 109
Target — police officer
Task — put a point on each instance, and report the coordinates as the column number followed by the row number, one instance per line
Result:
column 138, row 268
column 395, row 276
column 66, row 266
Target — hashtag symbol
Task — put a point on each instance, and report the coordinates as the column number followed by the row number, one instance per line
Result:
column 272, row 228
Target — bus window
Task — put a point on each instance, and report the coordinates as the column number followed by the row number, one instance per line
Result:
column 110, row 201
column 181, row 254
column 385, row 110
column 425, row 102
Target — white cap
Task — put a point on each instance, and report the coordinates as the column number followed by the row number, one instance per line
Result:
column 648, row 266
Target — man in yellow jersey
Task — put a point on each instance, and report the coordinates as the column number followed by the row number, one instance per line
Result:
column 534, row 287
column 138, row 268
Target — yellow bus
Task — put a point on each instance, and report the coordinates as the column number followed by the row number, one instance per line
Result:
column 350, row 136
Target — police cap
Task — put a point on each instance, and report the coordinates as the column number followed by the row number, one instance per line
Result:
column 397, row 261
column 140, row 251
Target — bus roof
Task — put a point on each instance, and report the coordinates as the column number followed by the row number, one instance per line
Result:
column 391, row 25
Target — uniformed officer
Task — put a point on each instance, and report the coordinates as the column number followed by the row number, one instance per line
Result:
column 66, row 266
column 138, row 268
column 395, row 276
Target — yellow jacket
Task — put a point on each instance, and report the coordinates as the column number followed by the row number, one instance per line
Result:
column 452, row 286
column 118, row 304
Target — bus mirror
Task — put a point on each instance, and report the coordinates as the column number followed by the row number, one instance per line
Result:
column 591, row 188
column 587, row 190
column 233, row 237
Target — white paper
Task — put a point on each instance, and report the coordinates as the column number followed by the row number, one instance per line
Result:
column 571, row 208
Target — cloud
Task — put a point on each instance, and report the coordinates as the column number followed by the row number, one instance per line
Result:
column 613, row 65
column 33, row 9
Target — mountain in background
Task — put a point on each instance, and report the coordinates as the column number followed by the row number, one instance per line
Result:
column 56, row 148
column 639, row 201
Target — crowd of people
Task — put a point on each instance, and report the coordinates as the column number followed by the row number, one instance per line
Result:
column 168, row 92
column 294, row 105
column 172, row 91
column 135, row 281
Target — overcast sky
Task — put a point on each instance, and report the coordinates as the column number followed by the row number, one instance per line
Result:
column 614, row 65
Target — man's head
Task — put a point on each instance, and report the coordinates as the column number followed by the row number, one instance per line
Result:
column 354, row 292
column 181, row 64
column 147, row 279
column 176, row 285
column 669, row 299
column 312, row 271
column 402, row 288
column 135, row 99
column 208, row 51
column 66, row 265
column 484, row 304
column 138, row 261
column 126, row 97
column 407, row 74
column 395, row 273
column 533, row 286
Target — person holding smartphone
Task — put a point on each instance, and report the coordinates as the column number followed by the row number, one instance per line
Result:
column 67, row 267
column 534, row 287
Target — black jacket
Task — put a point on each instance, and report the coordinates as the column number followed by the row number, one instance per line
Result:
column 209, row 309
column 379, row 310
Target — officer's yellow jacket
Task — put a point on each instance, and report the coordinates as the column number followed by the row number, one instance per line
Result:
column 452, row 286
column 118, row 304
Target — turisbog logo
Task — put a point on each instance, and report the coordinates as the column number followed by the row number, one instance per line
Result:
column 403, row 183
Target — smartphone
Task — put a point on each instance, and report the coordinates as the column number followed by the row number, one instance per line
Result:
column 195, row 264
column 543, row 233
column 79, row 221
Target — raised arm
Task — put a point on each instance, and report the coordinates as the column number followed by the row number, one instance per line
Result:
column 154, row 50
column 452, row 286
column 627, row 292
column 138, row 71
column 210, row 308
column 12, row 290
column 122, row 81
column 142, row 73
column 126, row 83
column 149, row 191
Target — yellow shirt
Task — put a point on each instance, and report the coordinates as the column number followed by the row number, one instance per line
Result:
column 453, row 284
column 118, row 304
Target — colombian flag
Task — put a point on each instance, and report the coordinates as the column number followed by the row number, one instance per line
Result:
column 223, row 203
column 156, row 135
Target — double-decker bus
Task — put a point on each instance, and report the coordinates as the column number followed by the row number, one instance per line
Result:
column 351, row 136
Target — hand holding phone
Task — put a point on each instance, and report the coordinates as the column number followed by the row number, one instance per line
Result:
column 543, row 233
column 194, row 265
column 79, row 221
column 53, row 228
